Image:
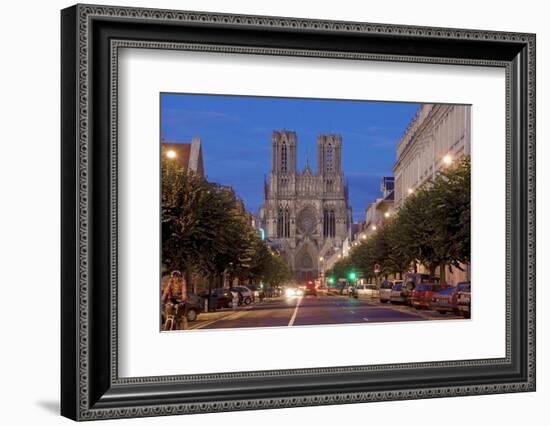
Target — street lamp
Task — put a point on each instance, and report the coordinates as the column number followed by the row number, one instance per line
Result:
column 321, row 259
column 410, row 191
column 447, row 160
column 171, row 154
column 387, row 214
column 363, row 237
column 374, row 228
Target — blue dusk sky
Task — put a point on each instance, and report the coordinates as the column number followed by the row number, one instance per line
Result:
column 236, row 138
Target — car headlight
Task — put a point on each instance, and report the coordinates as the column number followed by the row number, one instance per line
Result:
column 290, row 292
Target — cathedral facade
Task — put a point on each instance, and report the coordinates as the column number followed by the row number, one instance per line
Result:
column 307, row 213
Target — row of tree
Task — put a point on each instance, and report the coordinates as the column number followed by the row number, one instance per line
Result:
column 206, row 231
column 432, row 228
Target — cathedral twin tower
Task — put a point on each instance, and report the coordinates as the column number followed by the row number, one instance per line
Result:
column 307, row 213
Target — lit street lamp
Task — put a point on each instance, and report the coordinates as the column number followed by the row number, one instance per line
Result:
column 447, row 160
column 171, row 154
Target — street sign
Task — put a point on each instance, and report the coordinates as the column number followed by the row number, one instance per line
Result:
column 376, row 268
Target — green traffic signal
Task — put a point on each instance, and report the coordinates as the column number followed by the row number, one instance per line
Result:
column 352, row 276
column 331, row 280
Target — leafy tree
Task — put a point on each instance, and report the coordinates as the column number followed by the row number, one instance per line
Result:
column 451, row 207
column 277, row 271
column 206, row 230
column 432, row 228
column 341, row 268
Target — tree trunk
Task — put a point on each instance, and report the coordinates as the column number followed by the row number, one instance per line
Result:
column 442, row 270
column 188, row 281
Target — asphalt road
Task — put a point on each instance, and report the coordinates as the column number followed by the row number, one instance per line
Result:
column 312, row 310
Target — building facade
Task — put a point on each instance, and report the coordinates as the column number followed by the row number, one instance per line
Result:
column 380, row 210
column 437, row 135
column 307, row 213
column 187, row 154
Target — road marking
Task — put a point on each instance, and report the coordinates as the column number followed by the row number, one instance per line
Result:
column 291, row 322
column 230, row 317
column 204, row 324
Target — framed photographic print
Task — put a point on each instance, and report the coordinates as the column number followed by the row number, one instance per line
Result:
column 263, row 212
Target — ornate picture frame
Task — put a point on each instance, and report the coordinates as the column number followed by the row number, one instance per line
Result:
column 91, row 386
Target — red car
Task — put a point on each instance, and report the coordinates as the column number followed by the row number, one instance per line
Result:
column 422, row 295
column 311, row 289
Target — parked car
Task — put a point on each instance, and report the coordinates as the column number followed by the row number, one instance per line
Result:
column 193, row 307
column 246, row 293
column 272, row 292
column 463, row 298
column 323, row 291
column 412, row 281
column 219, row 298
column 398, row 293
column 384, row 293
column 367, row 291
column 333, row 291
column 421, row 296
column 255, row 290
column 418, row 278
column 445, row 301
column 407, row 290
column 343, row 287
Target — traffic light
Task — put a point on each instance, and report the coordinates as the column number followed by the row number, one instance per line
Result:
column 331, row 280
column 352, row 276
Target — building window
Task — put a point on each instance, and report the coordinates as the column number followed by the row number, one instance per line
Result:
column 329, row 223
column 284, row 158
column 283, row 223
column 329, row 159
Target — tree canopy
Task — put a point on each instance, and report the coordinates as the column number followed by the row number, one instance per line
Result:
column 431, row 228
column 206, row 230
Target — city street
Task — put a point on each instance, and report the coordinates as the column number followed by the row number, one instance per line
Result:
column 312, row 310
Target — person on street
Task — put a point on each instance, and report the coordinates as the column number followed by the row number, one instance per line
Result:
column 173, row 299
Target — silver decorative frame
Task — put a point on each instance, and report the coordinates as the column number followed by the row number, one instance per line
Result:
column 85, row 405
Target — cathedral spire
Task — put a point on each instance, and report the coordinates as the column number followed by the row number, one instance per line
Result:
column 307, row 169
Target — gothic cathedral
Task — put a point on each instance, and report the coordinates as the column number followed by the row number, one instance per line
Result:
column 307, row 214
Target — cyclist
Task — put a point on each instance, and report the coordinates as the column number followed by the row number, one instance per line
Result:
column 173, row 299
